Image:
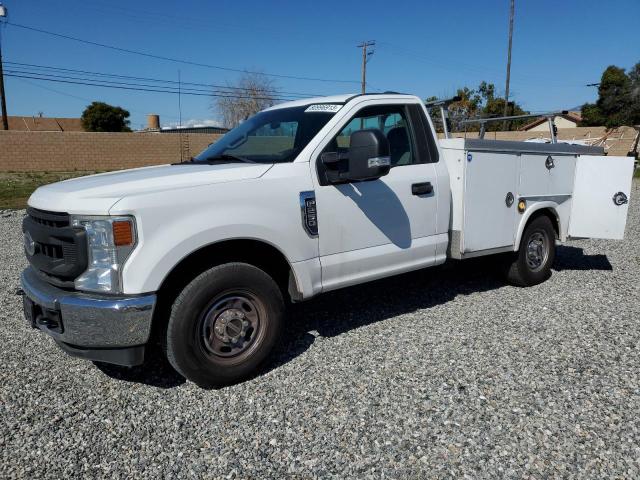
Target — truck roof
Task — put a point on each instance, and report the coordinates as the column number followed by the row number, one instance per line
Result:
column 344, row 98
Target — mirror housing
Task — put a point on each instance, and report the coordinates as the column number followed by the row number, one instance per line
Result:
column 367, row 159
column 368, row 155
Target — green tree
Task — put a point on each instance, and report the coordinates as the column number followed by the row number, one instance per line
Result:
column 618, row 99
column 481, row 102
column 634, row 77
column 468, row 105
column 102, row 117
column 591, row 115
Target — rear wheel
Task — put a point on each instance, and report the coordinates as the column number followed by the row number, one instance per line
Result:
column 224, row 324
column 532, row 263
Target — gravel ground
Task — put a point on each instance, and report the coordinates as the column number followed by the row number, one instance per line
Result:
column 440, row 373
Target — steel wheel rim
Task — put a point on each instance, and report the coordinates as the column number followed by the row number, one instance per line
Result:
column 537, row 250
column 232, row 325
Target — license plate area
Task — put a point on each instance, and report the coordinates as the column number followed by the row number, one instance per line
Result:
column 41, row 318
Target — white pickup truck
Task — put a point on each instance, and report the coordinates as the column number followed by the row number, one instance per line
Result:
column 304, row 197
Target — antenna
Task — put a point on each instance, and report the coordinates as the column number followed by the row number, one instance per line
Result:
column 179, row 100
column 3, row 99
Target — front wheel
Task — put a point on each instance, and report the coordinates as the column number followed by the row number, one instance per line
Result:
column 224, row 324
column 532, row 263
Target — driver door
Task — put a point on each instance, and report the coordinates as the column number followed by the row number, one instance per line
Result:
column 371, row 229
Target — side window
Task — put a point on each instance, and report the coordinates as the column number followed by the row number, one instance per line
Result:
column 392, row 121
column 425, row 143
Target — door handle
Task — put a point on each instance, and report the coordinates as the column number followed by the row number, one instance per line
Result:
column 423, row 188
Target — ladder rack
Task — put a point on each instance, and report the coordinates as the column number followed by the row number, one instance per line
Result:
column 444, row 113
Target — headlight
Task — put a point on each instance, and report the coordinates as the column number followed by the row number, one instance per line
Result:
column 110, row 240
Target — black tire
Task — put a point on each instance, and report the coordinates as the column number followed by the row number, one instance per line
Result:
column 532, row 263
column 224, row 324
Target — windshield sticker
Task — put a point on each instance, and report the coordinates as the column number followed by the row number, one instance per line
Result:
column 323, row 107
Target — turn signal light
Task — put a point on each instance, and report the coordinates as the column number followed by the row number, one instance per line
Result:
column 122, row 233
column 522, row 205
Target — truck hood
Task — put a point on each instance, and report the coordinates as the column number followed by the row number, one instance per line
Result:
column 96, row 194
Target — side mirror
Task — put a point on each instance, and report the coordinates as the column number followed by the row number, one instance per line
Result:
column 368, row 155
column 367, row 159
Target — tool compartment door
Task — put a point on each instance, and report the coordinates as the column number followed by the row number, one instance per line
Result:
column 601, row 197
column 489, row 222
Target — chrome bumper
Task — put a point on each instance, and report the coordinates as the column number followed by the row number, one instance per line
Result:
column 82, row 323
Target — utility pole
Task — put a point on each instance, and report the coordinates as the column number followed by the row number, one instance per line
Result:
column 3, row 100
column 506, row 90
column 365, row 59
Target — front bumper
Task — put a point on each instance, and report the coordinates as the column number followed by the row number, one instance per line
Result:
column 112, row 329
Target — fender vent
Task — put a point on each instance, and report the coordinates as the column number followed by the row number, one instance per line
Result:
column 309, row 212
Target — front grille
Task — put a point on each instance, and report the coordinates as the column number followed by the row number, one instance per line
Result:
column 53, row 251
column 54, row 220
column 53, row 246
column 49, row 219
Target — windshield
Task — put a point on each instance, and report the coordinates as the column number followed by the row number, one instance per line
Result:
column 274, row 136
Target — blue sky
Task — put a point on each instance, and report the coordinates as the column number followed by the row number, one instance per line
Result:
column 423, row 47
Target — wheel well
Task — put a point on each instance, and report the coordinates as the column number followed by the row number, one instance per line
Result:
column 550, row 214
column 254, row 252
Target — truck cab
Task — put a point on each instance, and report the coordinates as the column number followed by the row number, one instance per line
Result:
column 303, row 198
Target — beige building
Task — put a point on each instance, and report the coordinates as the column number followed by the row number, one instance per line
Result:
column 566, row 120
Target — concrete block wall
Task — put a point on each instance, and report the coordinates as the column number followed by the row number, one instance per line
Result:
column 88, row 151
column 22, row 151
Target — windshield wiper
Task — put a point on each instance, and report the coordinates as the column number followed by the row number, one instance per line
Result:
column 191, row 160
column 226, row 157
column 223, row 158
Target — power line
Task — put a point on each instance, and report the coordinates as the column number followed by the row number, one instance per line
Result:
column 141, row 89
column 84, row 99
column 444, row 64
column 70, row 95
column 176, row 60
column 150, row 79
column 170, row 89
column 488, row 73
column 150, row 16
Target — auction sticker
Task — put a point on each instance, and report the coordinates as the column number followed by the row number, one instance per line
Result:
column 324, row 107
